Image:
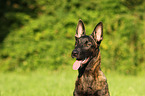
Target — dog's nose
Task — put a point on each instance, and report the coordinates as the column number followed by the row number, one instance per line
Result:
column 74, row 53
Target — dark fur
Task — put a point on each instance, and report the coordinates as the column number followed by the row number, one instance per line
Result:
column 91, row 81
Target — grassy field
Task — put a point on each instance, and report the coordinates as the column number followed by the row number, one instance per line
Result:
column 61, row 83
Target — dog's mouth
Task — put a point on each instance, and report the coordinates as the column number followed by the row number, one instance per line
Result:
column 79, row 63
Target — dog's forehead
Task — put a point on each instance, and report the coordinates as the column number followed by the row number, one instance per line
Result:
column 85, row 38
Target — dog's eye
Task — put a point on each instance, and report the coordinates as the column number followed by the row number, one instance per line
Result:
column 87, row 44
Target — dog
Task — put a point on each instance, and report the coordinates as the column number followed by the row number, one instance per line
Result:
column 90, row 81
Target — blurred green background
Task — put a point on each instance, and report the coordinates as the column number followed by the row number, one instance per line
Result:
column 39, row 34
column 36, row 33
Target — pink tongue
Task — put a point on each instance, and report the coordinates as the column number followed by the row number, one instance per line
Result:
column 76, row 65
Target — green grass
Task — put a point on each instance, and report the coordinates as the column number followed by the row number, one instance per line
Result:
column 61, row 83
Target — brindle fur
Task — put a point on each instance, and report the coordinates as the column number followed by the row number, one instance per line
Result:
column 91, row 81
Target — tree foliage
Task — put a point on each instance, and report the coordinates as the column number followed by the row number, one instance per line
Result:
column 41, row 33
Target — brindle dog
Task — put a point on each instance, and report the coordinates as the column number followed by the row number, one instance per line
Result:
column 91, row 81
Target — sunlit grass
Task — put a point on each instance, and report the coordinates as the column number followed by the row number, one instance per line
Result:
column 61, row 83
column 121, row 85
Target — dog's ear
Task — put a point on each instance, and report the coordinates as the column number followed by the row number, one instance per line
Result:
column 80, row 31
column 98, row 33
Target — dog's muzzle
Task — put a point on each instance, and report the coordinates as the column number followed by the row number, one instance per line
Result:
column 75, row 53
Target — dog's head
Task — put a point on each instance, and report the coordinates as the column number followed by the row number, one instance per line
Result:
column 86, row 46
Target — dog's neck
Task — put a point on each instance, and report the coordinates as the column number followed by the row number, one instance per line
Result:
column 93, row 65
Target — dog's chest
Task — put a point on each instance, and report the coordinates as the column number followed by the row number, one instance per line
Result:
column 90, row 83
